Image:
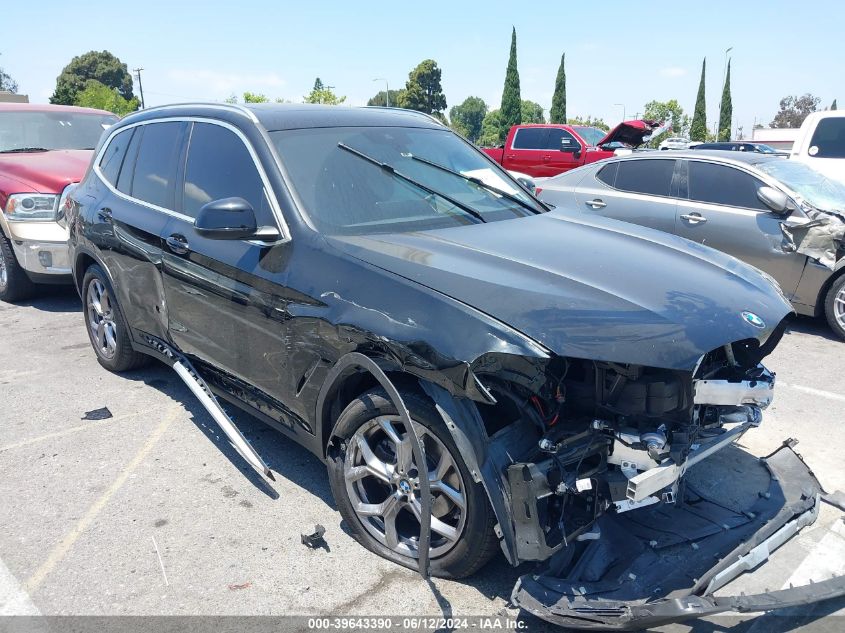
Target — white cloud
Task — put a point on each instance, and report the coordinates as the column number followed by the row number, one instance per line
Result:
column 222, row 83
column 673, row 71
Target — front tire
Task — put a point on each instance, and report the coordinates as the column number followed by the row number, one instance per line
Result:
column 834, row 306
column 374, row 480
column 14, row 283
column 105, row 324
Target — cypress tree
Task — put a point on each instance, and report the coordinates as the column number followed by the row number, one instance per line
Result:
column 558, row 112
column 698, row 129
column 726, row 111
column 833, row 105
column 511, row 110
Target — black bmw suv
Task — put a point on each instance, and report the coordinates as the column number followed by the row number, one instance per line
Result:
column 339, row 272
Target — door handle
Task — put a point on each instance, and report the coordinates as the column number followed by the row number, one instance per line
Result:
column 597, row 203
column 105, row 214
column 546, row 158
column 694, row 218
column 511, row 156
column 178, row 244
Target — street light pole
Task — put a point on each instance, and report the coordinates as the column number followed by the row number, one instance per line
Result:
column 386, row 91
column 140, row 85
column 724, row 77
column 623, row 109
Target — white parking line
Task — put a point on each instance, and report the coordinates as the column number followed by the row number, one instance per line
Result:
column 815, row 392
column 73, row 429
column 825, row 560
column 13, row 599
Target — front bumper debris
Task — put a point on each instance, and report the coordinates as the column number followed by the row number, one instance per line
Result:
column 655, row 565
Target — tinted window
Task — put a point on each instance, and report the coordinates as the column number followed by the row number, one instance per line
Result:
column 719, row 184
column 113, row 156
column 653, row 177
column 607, row 174
column 561, row 139
column 155, row 167
column 220, row 166
column 829, row 139
column 124, row 181
column 530, row 138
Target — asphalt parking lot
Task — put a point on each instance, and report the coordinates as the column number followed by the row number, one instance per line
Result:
column 151, row 512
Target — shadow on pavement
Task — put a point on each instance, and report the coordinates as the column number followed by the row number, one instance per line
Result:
column 50, row 299
column 811, row 325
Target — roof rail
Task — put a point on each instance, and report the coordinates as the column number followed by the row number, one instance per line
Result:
column 236, row 107
column 425, row 114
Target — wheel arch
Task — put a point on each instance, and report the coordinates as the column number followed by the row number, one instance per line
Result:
column 822, row 298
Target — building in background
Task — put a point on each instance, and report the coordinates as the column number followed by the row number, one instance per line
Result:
column 11, row 97
column 777, row 137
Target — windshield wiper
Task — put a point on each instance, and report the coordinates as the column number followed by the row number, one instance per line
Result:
column 477, row 181
column 23, row 149
column 389, row 169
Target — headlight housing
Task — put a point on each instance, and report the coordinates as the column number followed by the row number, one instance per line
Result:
column 38, row 207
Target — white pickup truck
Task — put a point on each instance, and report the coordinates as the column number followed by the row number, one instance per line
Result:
column 821, row 143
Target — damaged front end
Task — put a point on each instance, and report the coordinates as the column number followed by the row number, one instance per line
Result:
column 599, row 493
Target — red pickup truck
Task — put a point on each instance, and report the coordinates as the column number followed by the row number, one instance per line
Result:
column 550, row 149
column 44, row 149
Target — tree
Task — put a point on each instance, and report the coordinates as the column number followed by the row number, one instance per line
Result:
column 558, row 112
column 492, row 130
column 589, row 122
column 531, row 112
column 833, row 105
column 726, row 109
column 101, row 97
column 511, row 110
column 7, row 83
column 423, row 91
column 468, row 117
column 793, row 110
column 101, row 66
column 381, row 98
column 698, row 129
column 668, row 113
column 255, row 97
column 323, row 94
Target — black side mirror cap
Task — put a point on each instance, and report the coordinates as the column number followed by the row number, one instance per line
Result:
column 231, row 219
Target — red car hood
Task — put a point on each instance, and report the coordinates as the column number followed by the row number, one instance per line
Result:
column 46, row 172
column 630, row 133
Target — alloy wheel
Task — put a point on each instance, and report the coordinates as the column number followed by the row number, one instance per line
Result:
column 839, row 307
column 382, row 481
column 101, row 319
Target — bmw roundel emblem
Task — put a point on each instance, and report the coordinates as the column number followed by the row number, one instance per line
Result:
column 753, row 319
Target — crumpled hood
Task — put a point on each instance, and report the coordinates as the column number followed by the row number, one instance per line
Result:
column 630, row 133
column 589, row 288
column 46, row 172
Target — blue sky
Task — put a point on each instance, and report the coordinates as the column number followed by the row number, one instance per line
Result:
column 616, row 52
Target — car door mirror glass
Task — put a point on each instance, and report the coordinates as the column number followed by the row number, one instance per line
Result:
column 775, row 200
column 227, row 219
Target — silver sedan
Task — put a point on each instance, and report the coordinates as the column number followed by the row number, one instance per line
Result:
column 778, row 215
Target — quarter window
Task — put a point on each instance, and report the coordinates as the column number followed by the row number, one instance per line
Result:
column 720, row 184
column 829, row 139
column 220, row 166
column 113, row 156
column 155, row 167
column 530, row 138
column 650, row 177
column 607, row 174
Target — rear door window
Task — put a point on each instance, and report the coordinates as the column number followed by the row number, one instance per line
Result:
column 650, row 177
column 113, row 156
column 722, row 184
column 219, row 165
column 155, row 167
column 828, row 139
column 530, row 138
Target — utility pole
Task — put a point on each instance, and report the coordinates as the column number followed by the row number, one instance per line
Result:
column 623, row 109
column 386, row 91
column 137, row 71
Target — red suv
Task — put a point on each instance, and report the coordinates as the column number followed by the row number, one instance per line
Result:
column 44, row 150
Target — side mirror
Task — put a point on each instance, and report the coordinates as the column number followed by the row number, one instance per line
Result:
column 776, row 200
column 231, row 219
column 528, row 183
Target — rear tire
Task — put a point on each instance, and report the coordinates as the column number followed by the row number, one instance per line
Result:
column 105, row 324
column 834, row 306
column 465, row 541
column 15, row 285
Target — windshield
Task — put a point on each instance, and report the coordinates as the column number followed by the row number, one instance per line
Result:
column 39, row 131
column 345, row 193
column 765, row 149
column 590, row 134
column 819, row 191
